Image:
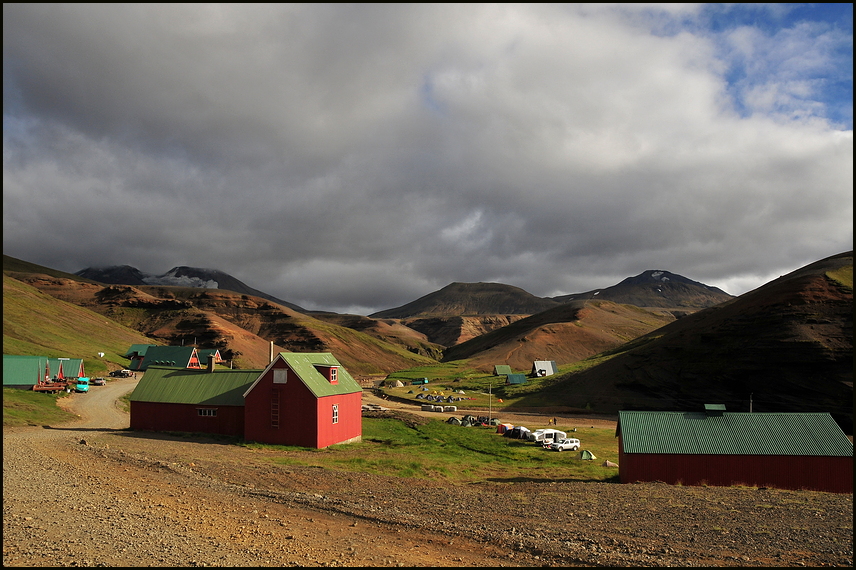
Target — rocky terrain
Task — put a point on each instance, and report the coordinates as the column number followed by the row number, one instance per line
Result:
column 92, row 493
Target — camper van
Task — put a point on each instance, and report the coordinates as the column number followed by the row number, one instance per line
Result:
column 81, row 385
column 546, row 436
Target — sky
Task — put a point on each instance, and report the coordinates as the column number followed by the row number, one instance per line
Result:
column 356, row 157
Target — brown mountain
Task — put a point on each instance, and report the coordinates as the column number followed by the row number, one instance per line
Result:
column 567, row 333
column 657, row 289
column 242, row 326
column 178, row 276
column 470, row 299
column 786, row 346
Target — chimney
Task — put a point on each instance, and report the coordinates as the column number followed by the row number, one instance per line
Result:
column 271, row 352
column 210, row 363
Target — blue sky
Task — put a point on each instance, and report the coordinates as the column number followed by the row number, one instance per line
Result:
column 355, row 157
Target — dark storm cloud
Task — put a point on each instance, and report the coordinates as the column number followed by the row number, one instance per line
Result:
column 356, row 157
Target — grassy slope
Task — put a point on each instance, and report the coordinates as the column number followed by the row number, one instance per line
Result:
column 39, row 325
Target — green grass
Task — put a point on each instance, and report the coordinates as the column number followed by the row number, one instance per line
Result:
column 36, row 324
column 483, row 391
column 28, row 408
column 438, row 450
column 435, row 450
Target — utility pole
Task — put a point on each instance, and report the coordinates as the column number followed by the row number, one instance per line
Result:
column 490, row 402
column 750, row 401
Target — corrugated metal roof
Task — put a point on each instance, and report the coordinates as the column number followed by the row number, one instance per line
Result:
column 138, row 349
column 167, row 356
column 23, row 370
column 732, row 433
column 71, row 367
column 189, row 386
column 304, row 363
column 501, row 369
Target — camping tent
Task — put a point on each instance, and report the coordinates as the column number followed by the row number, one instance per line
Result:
column 398, row 384
column 502, row 428
column 586, row 454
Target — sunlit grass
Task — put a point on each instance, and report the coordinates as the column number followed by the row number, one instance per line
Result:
column 438, row 450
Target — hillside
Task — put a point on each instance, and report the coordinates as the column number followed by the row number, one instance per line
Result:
column 181, row 276
column 567, row 333
column 786, row 346
column 38, row 324
column 242, row 326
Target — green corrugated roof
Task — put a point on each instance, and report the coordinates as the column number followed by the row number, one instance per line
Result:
column 188, row 386
column 502, row 369
column 304, row 363
column 732, row 433
column 70, row 366
column 22, row 370
column 139, row 349
column 167, row 355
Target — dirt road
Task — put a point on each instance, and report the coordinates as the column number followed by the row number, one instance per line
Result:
column 92, row 493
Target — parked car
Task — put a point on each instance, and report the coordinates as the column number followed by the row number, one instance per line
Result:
column 121, row 374
column 565, row 444
column 98, row 381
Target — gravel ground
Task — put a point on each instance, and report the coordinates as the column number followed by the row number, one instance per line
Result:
column 92, row 494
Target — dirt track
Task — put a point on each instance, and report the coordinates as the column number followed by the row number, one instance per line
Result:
column 94, row 494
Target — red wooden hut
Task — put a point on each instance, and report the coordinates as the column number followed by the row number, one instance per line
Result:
column 301, row 399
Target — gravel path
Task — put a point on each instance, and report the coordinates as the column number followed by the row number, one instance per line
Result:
column 93, row 494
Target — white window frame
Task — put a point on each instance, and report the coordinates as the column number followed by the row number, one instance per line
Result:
column 334, row 375
column 335, row 413
column 207, row 412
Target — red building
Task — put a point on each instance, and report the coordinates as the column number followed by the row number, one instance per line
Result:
column 715, row 447
column 300, row 399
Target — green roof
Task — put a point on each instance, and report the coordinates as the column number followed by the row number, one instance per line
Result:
column 501, row 369
column 732, row 433
column 139, row 349
column 167, row 356
column 70, row 366
column 304, row 363
column 22, row 370
column 189, row 386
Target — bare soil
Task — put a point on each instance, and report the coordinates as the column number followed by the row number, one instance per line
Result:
column 92, row 493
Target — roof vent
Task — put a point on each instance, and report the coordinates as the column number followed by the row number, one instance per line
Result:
column 714, row 409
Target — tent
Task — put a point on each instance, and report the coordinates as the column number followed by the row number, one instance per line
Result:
column 398, row 384
column 502, row 428
column 586, row 454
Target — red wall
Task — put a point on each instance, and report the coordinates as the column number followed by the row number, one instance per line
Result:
column 350, row 425
column 304, row 420
column 148, row 416
column 830, row 474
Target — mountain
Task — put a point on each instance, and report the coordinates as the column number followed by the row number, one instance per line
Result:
column 567, row 333
column 181, row 276
column 462, row 312
column 470, row 299
column 241, row 325
column 660, row 289
column 786, row 346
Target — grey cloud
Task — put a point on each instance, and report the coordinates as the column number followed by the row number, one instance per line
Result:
column 360, row 156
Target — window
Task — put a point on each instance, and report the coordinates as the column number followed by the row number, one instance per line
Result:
column 209, row 412
column 280, row 375
column 335, row 413
column 334, row 375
